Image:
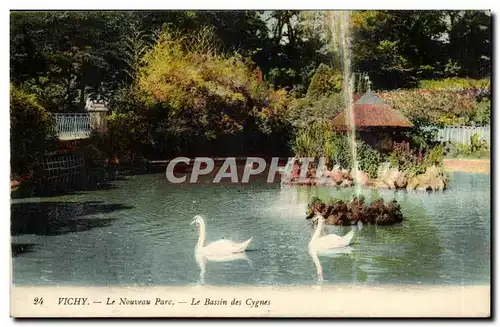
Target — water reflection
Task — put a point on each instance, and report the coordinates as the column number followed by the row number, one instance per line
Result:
column 202, row 260
column 444, row 239
column 331, row 253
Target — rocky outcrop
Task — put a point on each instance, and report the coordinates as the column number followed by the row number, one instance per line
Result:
column 402, row 180
column 338, row 212
column 434, row 179
column 363, row 178
column 335, row 177
column 387, row 177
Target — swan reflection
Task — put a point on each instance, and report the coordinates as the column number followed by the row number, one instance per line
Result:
column 331, row 253
column 202, row 260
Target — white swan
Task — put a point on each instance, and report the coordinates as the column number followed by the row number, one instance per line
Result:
column 217, row 248
column 330, row 241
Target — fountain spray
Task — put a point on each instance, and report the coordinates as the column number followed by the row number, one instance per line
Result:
column 342, row 20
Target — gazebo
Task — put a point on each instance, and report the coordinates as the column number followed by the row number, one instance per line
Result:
column 373, row 119
column 371, row 112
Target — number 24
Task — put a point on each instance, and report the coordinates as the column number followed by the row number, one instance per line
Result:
column 38, row 301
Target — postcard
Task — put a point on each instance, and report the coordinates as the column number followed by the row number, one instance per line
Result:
column 250, row 163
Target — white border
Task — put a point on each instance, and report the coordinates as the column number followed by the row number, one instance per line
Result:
column 255, row 4
column 214, row 4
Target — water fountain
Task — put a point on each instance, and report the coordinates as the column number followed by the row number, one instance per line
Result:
column 339, row 25
column 287, row 172
column 335, row 211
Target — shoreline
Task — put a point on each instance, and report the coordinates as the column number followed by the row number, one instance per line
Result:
column 476, row 166
column 465, row 165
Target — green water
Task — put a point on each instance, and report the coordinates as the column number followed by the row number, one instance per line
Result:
column 137, row 232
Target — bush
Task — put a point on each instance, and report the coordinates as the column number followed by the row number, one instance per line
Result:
column 369, row 159
column 477, row 148
column 305, row 111
column 455, row 84
column 435, row 156
column 193, row 94
column 324, row 82
column 482, row 114
column 32, row 131
column 318, row 140
column 270, row 117
column 315, row 140
column 404, row 158
column 197, row 88
column 437, row 108
column 128, row 137
column 190, row 97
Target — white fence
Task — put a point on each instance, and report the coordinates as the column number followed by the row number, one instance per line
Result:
column 462, row 134
column 72, row 126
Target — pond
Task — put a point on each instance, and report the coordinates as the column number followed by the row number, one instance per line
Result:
column 138, row 232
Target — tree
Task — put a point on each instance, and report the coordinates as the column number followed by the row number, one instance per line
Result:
column 325, row 81
column 32, row 131
column 69, row 53
column 399, row 48
column 470, row 43
column 396, row 48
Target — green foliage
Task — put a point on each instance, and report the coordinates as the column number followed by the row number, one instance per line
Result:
column 71, row 54
column 435, row 156
column 319, row 140
column 50, row 95
column 362, row 83
column 436, row 108
column 77, row 53
column 65, row 56
column 198, row 91
column 296, row 46
column 32, row 131
column 188, row 94
column 476, row 149
column 455, row 84
column 421, row 137
column 270, row 115
column 399, row 48
column 126, row 99
column 129, row 134
column 324, row 82
column 224, row 73
column 482, row 114
column 405, row 159
column 305, row 111
column 476, row 144
column 315, row 140
column 414, row 162
column 369, row 158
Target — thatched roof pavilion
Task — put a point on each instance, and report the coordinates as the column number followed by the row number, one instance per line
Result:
column 370, row 112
